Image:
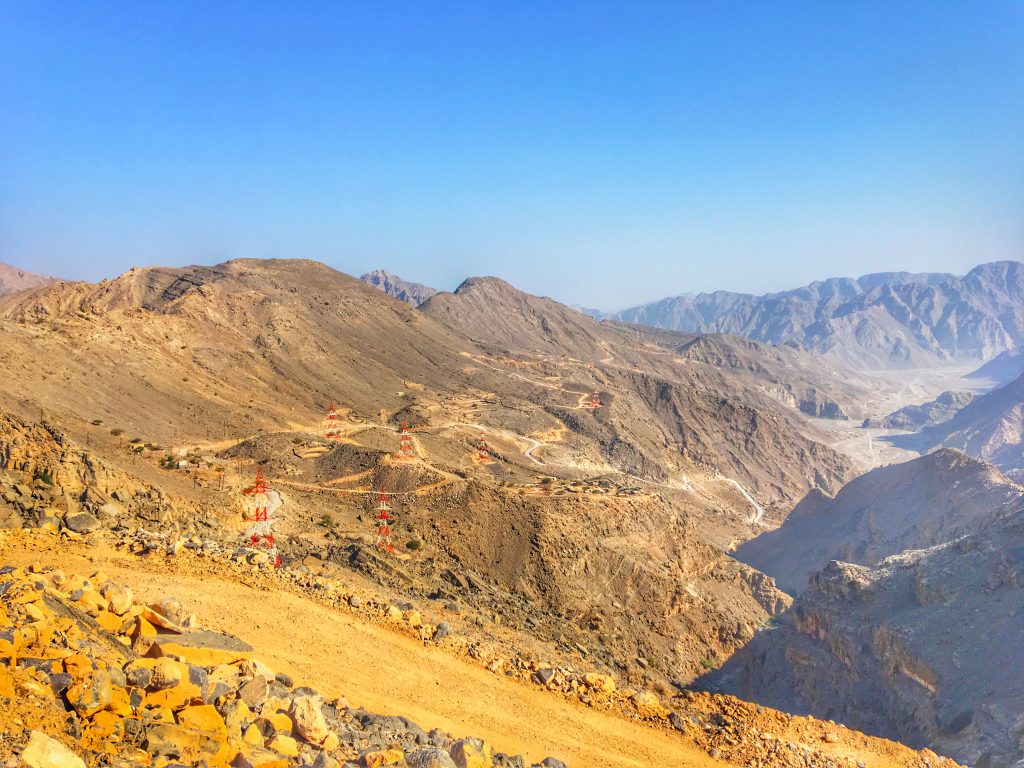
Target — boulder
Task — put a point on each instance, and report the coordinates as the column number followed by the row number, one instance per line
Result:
column 472, row 753
column 44, row 752
column 309, row 720
column 83, row 522
column 253, row 692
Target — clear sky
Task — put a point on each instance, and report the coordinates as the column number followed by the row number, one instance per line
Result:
column 602, row 153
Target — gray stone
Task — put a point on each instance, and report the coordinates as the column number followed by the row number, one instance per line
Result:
column 430, row 757
column 254, row 692
column 83, row 522
column 544, row 676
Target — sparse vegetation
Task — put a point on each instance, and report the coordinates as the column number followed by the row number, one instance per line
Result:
column 169, row 462
column 117, row 431
column 326, row 521
column 413, row 544
column 43, row 476
column 97, row 422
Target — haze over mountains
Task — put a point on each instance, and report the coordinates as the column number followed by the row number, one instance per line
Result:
column 877, row 321
column 644, row 492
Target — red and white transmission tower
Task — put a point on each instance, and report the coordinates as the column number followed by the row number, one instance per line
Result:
column 332, row 430
column 595, row 400
column 405, row 449
column 261, row 533
column 483, row 452
column 384, row 523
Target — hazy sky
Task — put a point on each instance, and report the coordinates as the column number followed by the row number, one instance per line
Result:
column 602, row 153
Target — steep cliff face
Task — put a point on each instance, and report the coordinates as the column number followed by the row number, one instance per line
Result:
column 918, row 504
column 919, row 648
column 883, row 320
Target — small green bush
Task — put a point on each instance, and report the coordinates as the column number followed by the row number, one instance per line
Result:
column 413, row 544
column 43, row 476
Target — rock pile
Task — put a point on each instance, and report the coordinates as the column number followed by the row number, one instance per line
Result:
column 89, row 676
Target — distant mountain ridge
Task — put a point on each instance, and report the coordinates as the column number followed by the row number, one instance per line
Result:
column 396, row 287
column 884, row 320
column 14, row 279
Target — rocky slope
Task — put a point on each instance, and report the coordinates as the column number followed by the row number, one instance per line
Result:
column 93, row 676
column 13, row 280
column 918, row 648
column 919, row 504
column 990, row 428
column 1003, row 368
column 915, row 417
column 397, row 288
column 876, row 321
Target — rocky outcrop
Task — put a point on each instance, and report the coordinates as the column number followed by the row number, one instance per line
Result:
column 918, row 504
column 131, row 691
column 917, row 648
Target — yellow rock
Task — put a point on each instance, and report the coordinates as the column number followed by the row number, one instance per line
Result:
column 175, row 697
column 384, row 757
column 598, row 682
column 275, row 704
column 135, row 756
column 109, row 621
column 284, row 745
column 203, row 717
column 44, row 752
column 34, row 612
column 253, row 736
column 200, row 657
column 649, row 705
column 472, row 753
column 280, row 720
column 258, row 757
column 6, row 683
column 77, row 665
column 413, row 619
column 107, row 726
column 185, row 744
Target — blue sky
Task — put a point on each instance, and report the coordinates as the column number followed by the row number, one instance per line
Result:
column 601, row 153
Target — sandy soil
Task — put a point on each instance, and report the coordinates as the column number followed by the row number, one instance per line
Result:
column 391, row 673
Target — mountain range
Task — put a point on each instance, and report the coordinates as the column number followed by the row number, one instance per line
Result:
column 881, row 320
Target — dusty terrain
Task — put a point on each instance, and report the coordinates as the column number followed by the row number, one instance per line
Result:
column 382, row 669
